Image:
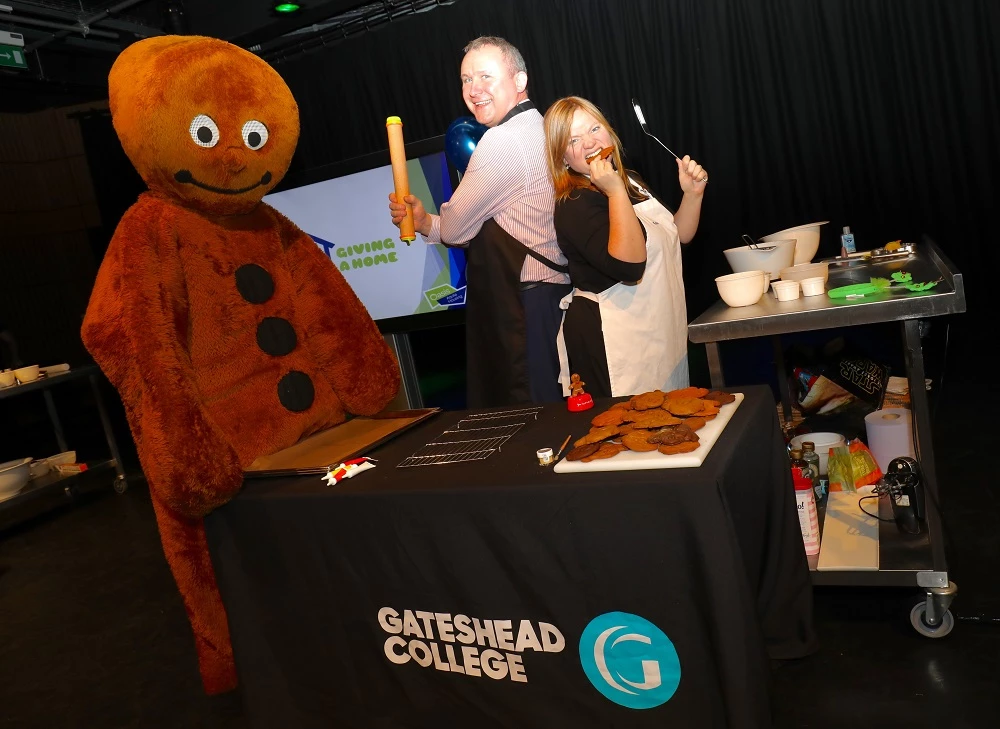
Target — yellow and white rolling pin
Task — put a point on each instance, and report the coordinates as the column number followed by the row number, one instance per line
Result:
column 400, row 178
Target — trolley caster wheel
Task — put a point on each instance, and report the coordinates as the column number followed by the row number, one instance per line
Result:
column 121, row 485
column 917, row 620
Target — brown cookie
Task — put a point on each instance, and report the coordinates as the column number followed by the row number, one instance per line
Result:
column 603, row 153
column 582, row 451
column 673, row 435
column 657, row 418
column 683, row 405
column 636, row 441
column 608, row 417
column 648, row 400
column 695, row 423
column 596, row 435
column 685, row 447
column 687, row 392
column 623, row 405
column 720, row 397
column 607, row 450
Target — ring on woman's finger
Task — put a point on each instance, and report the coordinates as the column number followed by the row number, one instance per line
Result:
column 704, row 179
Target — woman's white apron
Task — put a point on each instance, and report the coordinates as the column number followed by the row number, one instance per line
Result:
column 644, row 324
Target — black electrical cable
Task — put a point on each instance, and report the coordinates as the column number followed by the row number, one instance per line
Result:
column 874, row 516
column 891, row 485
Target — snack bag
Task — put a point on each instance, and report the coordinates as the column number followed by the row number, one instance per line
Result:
column 820, row 394
column 839, row 470
column 862, row 377
column 852, row 467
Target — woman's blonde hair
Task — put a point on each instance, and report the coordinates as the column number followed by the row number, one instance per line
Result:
column 558, row 120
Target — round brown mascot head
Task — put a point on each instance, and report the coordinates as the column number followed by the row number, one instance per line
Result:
column 205, row 123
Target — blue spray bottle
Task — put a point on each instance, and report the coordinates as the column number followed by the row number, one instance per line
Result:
column 847, row 246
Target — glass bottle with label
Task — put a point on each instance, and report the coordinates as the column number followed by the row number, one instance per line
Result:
column 797, row 461
column 805, row 504
column 810, row 456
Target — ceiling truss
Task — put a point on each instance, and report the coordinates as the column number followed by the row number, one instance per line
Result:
column 69, row 45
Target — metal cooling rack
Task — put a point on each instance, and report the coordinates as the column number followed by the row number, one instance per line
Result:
column 473, row 438
column 523, row 414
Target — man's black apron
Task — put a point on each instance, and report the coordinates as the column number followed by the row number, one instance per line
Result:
column 495, row 340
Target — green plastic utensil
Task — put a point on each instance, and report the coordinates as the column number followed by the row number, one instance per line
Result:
column 861, row 289
column 881, row 285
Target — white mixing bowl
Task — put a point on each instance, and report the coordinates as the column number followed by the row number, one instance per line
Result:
column 744, row 288
column 13, row 476
column 806, row 240
column 745, row 258
column 803, row 271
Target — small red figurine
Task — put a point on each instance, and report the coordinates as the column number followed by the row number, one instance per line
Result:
column 578, row 399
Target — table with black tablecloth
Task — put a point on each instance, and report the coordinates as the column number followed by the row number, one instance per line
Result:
column 498, row 593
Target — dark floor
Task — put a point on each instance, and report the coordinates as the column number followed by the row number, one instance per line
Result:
column 93, row 635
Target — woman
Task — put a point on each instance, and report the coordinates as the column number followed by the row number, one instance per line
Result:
column 625, row 327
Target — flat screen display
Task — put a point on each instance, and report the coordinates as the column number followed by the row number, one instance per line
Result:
column 345, row 209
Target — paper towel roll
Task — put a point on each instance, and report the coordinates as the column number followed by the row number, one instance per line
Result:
column 890, row 435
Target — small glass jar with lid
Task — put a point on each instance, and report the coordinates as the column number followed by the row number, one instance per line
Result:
column 810, row 456
column 808, row 471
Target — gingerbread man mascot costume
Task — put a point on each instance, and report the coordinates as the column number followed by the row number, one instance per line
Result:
column 227, row 332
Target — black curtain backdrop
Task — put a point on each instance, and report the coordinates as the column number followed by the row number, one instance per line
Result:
column 878, row 114
column 882, row 115
column 117, row 184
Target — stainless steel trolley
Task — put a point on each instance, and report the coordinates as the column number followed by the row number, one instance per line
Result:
column 55, row 483
column 904, row 560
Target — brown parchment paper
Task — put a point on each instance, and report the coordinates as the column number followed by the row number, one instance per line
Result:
column 330, row 447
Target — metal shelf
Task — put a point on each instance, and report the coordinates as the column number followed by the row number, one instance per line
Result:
column 901, row 557
column 55, row 481
column 904, row 560
column 53, row 489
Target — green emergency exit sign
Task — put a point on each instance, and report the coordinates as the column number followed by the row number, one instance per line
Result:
column 12, row 56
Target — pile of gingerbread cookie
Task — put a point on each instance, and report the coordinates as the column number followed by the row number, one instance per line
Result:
column 653, row 421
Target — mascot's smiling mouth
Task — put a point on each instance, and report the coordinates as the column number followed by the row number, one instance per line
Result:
column 186, row 176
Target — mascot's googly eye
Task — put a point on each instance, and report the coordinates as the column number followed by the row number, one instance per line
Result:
column 204, row 131
column 254, row 134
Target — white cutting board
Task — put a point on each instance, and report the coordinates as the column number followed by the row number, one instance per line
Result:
column 850, row 537
column 634, row 461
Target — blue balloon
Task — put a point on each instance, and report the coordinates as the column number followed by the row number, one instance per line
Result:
column 461, row 139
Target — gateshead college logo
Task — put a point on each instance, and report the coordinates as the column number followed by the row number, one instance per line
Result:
column 630, row 660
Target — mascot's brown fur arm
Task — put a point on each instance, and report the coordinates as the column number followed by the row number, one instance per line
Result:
column 341, row 336
column 134, row 328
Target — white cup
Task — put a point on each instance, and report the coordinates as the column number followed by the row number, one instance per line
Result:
column 785, row 290
column 812, row 286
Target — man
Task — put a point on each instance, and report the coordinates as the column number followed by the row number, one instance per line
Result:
column 502, row 211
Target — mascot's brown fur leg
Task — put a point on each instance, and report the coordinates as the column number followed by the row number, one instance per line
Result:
column 186, row 549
